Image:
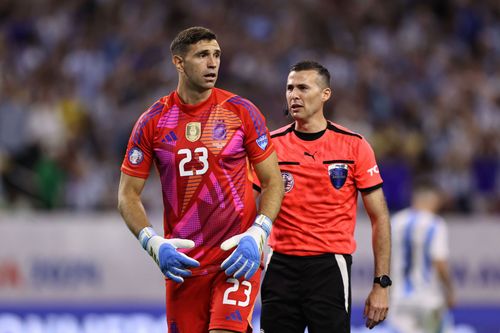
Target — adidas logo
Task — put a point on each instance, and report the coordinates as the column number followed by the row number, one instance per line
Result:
column 235, row 316
column 169, row 138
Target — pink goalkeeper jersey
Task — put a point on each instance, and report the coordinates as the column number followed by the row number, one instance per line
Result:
column 201, row 153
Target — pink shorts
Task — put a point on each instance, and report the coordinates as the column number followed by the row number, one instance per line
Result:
column 212, row 301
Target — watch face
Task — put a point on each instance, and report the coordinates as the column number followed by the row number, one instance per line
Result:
column 385, row 281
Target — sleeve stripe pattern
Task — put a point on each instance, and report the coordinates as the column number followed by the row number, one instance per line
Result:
column 150, row 113
column 258, row 121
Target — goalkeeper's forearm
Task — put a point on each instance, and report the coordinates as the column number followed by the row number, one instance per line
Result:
column 133, row 213
column 270, row 200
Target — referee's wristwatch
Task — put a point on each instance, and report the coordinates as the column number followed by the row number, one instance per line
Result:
column 384, row 281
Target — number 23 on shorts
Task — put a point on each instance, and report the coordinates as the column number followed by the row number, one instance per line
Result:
column 234, row 302
column 233, row 291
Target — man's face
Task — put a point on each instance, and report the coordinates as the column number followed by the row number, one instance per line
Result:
column 200, row 65
column 305, row 94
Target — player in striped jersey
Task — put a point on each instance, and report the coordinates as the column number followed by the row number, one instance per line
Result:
column 324, row 166
column 423, row 289
column 201, row 140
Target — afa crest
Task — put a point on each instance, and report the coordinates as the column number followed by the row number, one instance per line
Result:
column 219, row 131
column 338, row 174
column 193, row 131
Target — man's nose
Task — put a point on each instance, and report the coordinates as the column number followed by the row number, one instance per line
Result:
column 212, row 62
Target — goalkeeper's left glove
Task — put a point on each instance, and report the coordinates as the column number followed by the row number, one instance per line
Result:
column 173, row 264
column 245, row 259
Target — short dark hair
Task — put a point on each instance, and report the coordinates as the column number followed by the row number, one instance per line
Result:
column 426, row 184
column 307, row 65
column 190, row 36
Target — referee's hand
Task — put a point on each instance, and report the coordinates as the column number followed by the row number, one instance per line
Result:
column 376, row 306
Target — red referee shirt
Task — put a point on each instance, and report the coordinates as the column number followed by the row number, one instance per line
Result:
column 322, row 176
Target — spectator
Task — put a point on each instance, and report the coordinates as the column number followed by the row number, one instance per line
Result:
column 428, row 69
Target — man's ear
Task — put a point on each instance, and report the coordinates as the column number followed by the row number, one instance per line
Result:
column 178, row 63
column 326, row 94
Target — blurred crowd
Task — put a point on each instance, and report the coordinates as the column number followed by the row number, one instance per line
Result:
column 419, row 79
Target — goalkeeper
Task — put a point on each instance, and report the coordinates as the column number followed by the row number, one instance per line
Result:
column 324, row 166
column 201, row 139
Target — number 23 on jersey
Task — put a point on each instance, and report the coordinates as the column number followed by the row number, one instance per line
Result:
column 199, row 154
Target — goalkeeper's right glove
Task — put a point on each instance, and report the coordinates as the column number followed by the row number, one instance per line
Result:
column 172, row 263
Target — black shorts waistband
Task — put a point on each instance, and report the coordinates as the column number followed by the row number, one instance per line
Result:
column 308, row 258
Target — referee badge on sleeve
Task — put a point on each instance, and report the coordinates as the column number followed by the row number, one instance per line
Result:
column 338, row 174
column 288, row 181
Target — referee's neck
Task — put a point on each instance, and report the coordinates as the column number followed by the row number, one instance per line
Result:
column 311, row 126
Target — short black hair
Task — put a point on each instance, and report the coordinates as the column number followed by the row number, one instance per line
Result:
column 307, row 65
column 190, row 36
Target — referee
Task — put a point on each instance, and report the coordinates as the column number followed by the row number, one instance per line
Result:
column 323, row 166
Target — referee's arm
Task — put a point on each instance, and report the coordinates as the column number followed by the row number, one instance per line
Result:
column 377, row 303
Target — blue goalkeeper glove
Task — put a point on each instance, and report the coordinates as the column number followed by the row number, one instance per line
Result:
column 245, row 259
column 173, row 264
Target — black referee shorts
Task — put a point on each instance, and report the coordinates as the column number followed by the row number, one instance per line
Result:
column 313, row 292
